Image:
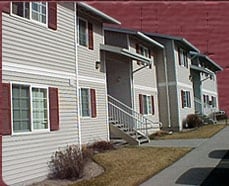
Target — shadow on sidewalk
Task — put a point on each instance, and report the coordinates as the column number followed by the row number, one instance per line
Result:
column 215, row 176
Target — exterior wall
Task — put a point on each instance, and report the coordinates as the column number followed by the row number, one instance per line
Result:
column 119, row 78
column 116, row 39
column 95, row 128
column 37, row 55
column 209, row 87
column 89, row 77
column 183, row 83
column 145, row 80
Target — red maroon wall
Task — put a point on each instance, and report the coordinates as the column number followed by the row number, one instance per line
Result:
column 205, row 24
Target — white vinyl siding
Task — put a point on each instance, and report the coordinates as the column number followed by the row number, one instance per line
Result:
column 32, row 46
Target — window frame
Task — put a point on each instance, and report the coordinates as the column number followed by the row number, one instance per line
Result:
column 145, row 50
column 32, row 130
column 183, row 57
column 86, row 32
column 149, row 105
column 89, row 102
column 30, row 13
column 186, row 99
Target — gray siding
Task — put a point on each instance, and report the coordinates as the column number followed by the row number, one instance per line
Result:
column 116, row 39
column 46, row 52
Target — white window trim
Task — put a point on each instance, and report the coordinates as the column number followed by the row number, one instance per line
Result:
column 89, row 102
column 150, row 111
column 182, row 52
column 31, row 110
column 78, row 33
column 144, row 48
column 30, row 15
column 187, row 101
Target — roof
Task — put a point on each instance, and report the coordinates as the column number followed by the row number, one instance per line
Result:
column 208, row 61
column 125, row 52
column 136, row 33
column 180, row 40
column 95, row 12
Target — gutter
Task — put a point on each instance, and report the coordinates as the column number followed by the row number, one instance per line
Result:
column 77, row 73
column 167, row 88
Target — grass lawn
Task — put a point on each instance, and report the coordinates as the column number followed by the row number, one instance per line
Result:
column 205, row 131
column 132, row 165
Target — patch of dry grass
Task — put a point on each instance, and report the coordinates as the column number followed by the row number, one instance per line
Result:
column 132, row 166
column 205, row 131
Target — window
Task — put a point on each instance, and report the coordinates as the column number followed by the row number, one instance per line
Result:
column 206, row 100
column 85, row 30
column 185, row 99
column 146, row 104
column 87, row 102
column 30, row 108
column 144, row 51
column 82, row 32
column 213, row 102
column 36, row 11
column 183, row 57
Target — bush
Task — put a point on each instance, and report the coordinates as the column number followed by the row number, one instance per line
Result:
column 69, row 163
column 193, row 120
column 101, row 146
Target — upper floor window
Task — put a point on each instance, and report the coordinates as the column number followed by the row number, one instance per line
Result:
column 185, row 99
column 85, row 30
column 36, row 11
column 183, row 57
column 144, row 51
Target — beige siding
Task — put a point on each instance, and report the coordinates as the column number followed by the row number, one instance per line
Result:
column 95, row 128
column 87, row 57
column 29, row 45
column 32, row 44
column 25, row 157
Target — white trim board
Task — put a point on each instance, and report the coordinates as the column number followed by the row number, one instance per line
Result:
column 145, row 88
column 92, row 79
column 7, row 66
column 209, row 92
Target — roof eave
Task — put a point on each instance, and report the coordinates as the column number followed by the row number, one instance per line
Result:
column 105, row 17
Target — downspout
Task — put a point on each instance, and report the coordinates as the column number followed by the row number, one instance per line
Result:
column 77, row 71
column 167, row 88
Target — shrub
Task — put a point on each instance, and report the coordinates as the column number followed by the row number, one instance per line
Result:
column 101, row 146
column 69, row 163
column 193, row 121
column 159, row 134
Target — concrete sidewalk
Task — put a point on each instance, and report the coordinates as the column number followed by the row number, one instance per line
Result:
column 194, row 167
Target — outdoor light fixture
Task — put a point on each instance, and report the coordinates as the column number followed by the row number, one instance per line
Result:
column 97, row 64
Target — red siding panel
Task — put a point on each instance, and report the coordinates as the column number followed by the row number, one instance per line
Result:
column 6, row 109
column 141, row 103
column 153, row 110
column 90, row 36
column 53, row 108
column 52, row 15
column 93, row 103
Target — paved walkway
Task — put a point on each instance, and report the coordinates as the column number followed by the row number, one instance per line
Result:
column 194, row 167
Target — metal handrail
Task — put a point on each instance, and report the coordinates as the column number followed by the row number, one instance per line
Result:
column 141, row 122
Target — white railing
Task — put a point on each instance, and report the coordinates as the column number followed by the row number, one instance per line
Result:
column 131, row 119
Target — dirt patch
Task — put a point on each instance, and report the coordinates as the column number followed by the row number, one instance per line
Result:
column 91, row 170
